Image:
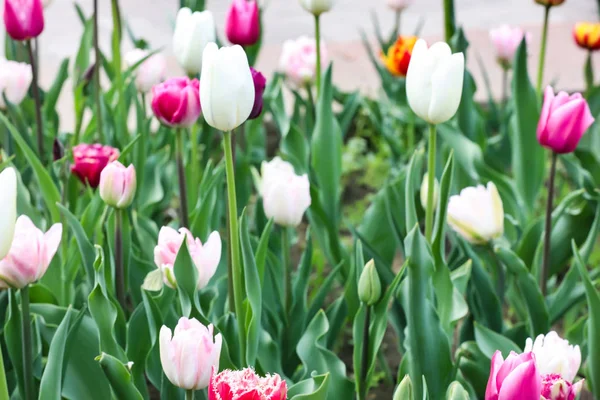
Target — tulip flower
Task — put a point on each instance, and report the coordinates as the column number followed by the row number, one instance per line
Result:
column 29, row 255
column 23, row 19
column 8, row 205
column 317, row 7
column 90, row 160
column 398, row 5
column 587, row 35
column 398, row 56
column 150, row 72
column 299, row 60
column 117, row 185
column 15, row 79
column 205, row 256
column 242, row 24
column 226, row 87
column 477, row 214
column 425, row 189
column 193, row 31
column 369, row 285
column 189, row 355
column 434, row 81
column 556, row 388
column 246, row 384
column 515, row 378
column 506, row 41
column 176, row 102
column 404, row 391
column 260, row 83
column 286, row 196
column 554, row 355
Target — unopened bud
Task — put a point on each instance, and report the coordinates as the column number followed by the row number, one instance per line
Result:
column 456, row 392
column 404, row 390
column 369, row 286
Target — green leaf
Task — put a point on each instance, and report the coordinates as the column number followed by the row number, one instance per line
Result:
column 14, row 338
column 186, row 276
column 413, row 181
column 314, row 388
column 275, row 102
column 490, row 341
column 119, row 377
column 53, row 93
column 86, row 249
column 437, row 247
column 262, row 250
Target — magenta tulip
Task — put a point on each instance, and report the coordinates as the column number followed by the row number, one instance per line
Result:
column 24, row 19
column 563, row 122
column 90, row 160
column 260, row 83
column 176, row 102
column 246, row 385
column 554, row 387
column 242, row 25
column 515, row 378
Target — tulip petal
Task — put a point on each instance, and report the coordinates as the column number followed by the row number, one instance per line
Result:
column 166, row 361
column 418, row 80
column 447, row 85
column 564, row 126
column 208, row 258
column 51, row 242
column 8, row 205
column 491, row 391
column 523, row 383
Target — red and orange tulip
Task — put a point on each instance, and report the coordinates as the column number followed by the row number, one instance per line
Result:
column 587, row 35
column 398, row 56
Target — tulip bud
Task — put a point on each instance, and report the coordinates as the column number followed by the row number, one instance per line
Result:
column 587, row 35
column 550, row 3
column 554, row 355
column 404, row 390
column 58, row 150
column 425, row 190
column 506, row 41
column 8, row 205
column 513, row 378
column 477, row 214
column 316, row 7
column 369, row 286
column 90, row 159
column 24, row 20
column 563, row 121
column 398, row 56
column 398, row 5
column 15, row 79
column 118, row 185
column 226, row 87
column 456, row 392
column 246, row 384
column 150, row 72
column 434, row 81
column 242, row 24
column 193, row 31
column 176, row 102
column 260, row 83
column 299, row 60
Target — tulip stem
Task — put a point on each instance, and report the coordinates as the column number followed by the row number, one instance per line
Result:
column 119, row 270
column 542, row 61
column 500, row 278
column 364, row 368
column 183, row 205
column 194, row 163
column 27, row 344
column 189, row 394
column 98, row 89
column 287, row 270
column 38, row 105
column 504, row 98
column 589, row 74
column 431, row 183
column 318, row 45
column 548, row 229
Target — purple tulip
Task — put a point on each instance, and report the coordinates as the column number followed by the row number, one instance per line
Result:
column 260, row 83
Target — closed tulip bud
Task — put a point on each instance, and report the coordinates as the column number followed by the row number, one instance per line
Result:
column 404, row 390
column 506, row 41
column 15, row 79
column 242, row 24
column 8, row 205
column 193, row 31
column 317, row 7
column 550, row 3
column 556, row 388
column 369, row 286
column 563, row 121
column 456, row 392
column 434, row 81
column 286, row 196
column 226, row 87
column 398, row 5
column 150, row 72
column 477, row 214
column 398, row 56
column 514, row 378
column 176, row 102
column 587, row 35
column 260, row 83
column 246, row 385
column 425, row 190
column 58, row 150
column 299, row 60
column 189, row 355
column 118, row 185
column 90, row 159
column 30, row 254
column 23, row 20
column 554, row 355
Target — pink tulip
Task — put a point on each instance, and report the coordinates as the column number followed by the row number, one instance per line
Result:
column 554, row 387
column 190, row 354
column 260, row 83
column 118, row 184
column 506, row 41
column 242, row 24
column 24, row 19
column 176, row 102
column 563, row 122
column 29, row 255
column 90, row 160
column 398, row 5
column 515, row 378
column 299, row 60
column 246, row 385
column 150, row 72
column 205, row 257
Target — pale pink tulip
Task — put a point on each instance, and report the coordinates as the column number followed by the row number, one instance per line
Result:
column 398, row 5
column 118, row 184
column 15, row 79
column 299, row 60
column 506, row 40
column 150, row 72
column 515, row 378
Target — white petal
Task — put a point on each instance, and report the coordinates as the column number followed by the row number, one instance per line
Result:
column 447, row 85
column 418, row 80
column 8, row 209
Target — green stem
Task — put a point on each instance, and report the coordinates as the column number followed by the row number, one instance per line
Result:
column 365, row 357
column 540, row 77
column 117, row 65
column 140, row 168
column 38, row 104
column 431, row 184
column 589, row 74
column 504, row 99
column 548, row 229
column 287, row 270
column 195, row 163
column 500, row 276
column 98, row 89
column 318, row 66
column 449, row 25
column 396, row 30
column 27, row 345
column 189, row 394
column 119, row 269
column 410, row 134
column 183, row 204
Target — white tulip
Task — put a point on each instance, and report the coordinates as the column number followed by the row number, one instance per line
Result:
column 286, row 196
column 477, row 213
column 554, row 355
column 424, row 191
column 8, row 205
column 434, row 81
column 193, row 31
column 226, row 87
column 317, row 7
column 15, row 79
column 150, row 72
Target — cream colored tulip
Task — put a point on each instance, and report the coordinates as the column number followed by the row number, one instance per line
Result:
column 317, row 7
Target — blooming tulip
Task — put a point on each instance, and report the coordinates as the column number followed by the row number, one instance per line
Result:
column 555, row 355
column 587, row 35
column 205, row 256
column 90, row 160
column 398, row 5
column 506, row 41
column 193, row 31
column 556, row 388
column 15, row 79
column 226, row 87
column 117, row 185
column 398, row 56
column 242, row 24
column 176, row 102
column 477, row 213
column 260, row 83
column 150, row 72
column 515, row 378
column 424, row 191
column 563, row 122
column 299, row 60
column 317, row 7
column 24, row 19
column 190, row 354
column 550, row 3
column 434, row 81
column 246, row 384
column 8, row 205
column 29, row 255
column 286, row 196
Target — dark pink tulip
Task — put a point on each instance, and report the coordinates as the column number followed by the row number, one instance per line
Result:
column 260, row 83
column 90, row 160
column 563, row 122
column 176, row 102
column 246, row 385
column 242, row 25
column 515, row 378
column 24, row 19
